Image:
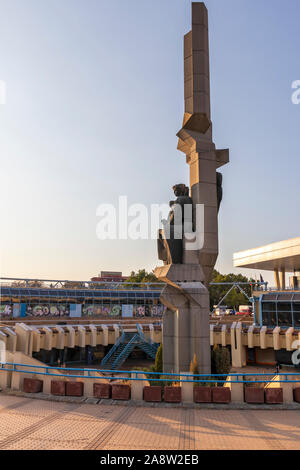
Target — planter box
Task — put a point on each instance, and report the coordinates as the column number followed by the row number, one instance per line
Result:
column 202, row 395
column 153, row 393
column 274, row 396
column 102, row 390
column 254, row 395
column 172, row 394
column 221, row 395
column 120, row 392
column 32, row 385
column 296, row 393
column 58, row 387
column 74, row 389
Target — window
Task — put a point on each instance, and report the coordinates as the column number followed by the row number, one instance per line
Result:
column 269, row 314
column 297, row 319
column 269, row 319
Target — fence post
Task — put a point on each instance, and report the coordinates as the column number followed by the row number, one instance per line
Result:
column 47, row 383
column 287, row 388
column 236, row 387
column 4, row 382
column 15, row 379
column 187, row 388
column 137, row 386
column 88, row 385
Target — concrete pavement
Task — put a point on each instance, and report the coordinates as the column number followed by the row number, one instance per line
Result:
column 27, row 423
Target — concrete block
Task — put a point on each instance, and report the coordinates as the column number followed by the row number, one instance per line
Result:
column 120, row 392
column 172, row 394
column 102, row 390
column 58, row 387
column 254, row 395
column 221, row 395
column 32, row 385
column 74, row 389
column 202, row 394
column 273, row 396
column 153, row 393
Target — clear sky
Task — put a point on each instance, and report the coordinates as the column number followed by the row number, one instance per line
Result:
column 94, row 101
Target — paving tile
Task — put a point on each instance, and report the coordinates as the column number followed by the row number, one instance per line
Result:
column 40, row 424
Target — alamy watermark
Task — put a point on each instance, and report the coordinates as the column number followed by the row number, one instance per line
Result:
column 296, row 93
column 2, row 92
column 139, row 222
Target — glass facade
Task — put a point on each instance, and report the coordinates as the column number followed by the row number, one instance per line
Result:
column 280, row 310
column 119, row 301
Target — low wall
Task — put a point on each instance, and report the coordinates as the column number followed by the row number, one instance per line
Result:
column 281, row 389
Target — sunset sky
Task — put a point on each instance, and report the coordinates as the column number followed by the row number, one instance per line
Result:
column 94, row 102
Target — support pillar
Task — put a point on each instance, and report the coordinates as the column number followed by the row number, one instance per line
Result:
column 187, row 388
column 237, row 389
column 276, row 275
column 282, row 277
column 186, row 321
column 168, row 341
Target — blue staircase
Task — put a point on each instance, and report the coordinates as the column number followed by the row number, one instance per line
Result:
column 126, row 343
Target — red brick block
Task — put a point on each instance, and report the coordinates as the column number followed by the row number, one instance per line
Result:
column 153, row 393
column 58, row 387
column 172, row 394
column 120, row 392
column 296, row 393
column 202, row 395
column 221, row 395
column 74, row 389
column 32, row 385
column 273, row 396
column 102, row 390
column 254, row 395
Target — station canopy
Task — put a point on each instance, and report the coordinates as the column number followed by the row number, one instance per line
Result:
column 284, row 255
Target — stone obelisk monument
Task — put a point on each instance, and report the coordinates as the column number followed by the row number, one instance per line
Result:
column 189, row 262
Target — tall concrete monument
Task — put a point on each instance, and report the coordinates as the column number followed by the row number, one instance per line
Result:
column 188, row 242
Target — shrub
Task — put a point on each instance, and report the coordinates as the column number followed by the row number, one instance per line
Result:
column 194, row 365
column 159, row 360
column 220, row 362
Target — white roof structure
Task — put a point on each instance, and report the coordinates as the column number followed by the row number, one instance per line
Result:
column 284, row 255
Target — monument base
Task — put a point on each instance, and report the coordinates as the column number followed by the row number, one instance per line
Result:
column 186, row 321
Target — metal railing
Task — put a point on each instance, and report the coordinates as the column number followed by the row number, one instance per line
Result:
column 158, row 376
column 23, row 283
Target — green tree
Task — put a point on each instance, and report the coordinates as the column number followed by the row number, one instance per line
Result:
column 220, row 362
column 235, row 297
column 142, row 277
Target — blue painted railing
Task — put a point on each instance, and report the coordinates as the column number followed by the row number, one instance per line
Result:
column 183, row 377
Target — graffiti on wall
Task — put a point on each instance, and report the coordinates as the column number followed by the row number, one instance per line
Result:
column 116, row 310
column 62, row 310
column 5, row 311
column 108, row 310
column 40, row 310
column 158, row 310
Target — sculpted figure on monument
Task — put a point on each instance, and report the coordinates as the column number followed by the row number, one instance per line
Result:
column 170, row 238
column 219, row 189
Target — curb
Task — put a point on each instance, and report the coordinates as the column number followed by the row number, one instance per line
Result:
column 139, row 404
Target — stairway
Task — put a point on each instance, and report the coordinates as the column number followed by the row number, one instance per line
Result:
column 122, row 349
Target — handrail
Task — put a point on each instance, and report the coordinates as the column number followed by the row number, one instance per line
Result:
column 113, row 349
column 207, row 378
column 129, row 346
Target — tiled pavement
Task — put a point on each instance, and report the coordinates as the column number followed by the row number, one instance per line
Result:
column 39, row 424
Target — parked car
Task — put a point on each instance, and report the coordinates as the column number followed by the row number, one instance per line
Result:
column 229, row 311
column 244, row 310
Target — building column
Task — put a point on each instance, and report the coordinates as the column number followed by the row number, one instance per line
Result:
column 282, row 275
column 277, row 282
